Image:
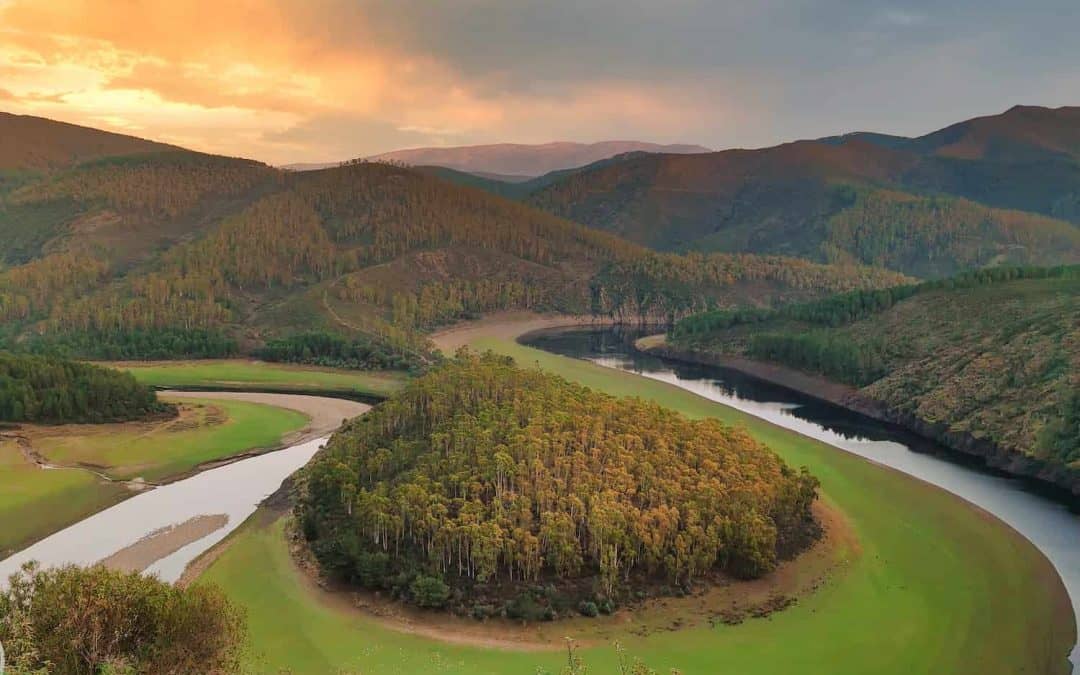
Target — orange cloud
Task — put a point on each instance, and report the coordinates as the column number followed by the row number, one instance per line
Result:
column 240, row 77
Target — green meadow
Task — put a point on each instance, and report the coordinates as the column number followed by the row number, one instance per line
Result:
column 261, row 376
column 35, row 502
column 938, row 586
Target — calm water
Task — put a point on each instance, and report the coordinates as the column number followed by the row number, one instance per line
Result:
column 1048, row 524
column 234, row 490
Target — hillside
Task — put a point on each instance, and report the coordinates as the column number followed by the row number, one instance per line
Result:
column 988, row 362
column 521, row 160
column 1019, row 168
column 490, row 479
column 39, row 144
column 207, row 256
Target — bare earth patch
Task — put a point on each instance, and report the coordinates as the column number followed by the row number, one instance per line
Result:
column 164, row 542
column 506, row 325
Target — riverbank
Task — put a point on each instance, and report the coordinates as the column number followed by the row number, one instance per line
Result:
column 55, row 476
column 1011, row 462
column 941, row 585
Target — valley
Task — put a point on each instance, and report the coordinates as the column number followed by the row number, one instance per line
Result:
column 191, row 343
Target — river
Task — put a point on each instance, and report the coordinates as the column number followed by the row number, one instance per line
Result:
column 1047, row 523
column 234, row 490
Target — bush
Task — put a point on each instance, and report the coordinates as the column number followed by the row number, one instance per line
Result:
column 429, row 592
column 524, row 607
column 91, row 620
column 588, row 608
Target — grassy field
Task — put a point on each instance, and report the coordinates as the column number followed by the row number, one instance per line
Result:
column 940, row 587
column 260, row 376
column 206, row 430
column 36, row 502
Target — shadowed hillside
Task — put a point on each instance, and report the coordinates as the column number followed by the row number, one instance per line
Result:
column 990, row 357
column 39, row 144
column 802, row 198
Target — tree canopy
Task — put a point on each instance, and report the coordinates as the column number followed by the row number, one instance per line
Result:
column 481, row 471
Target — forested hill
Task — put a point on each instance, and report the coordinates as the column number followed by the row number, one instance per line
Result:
column 480, row 475
column 49, row 390
column 39, row 144
column 997, row 190
column 204, row 255
column 989, row 356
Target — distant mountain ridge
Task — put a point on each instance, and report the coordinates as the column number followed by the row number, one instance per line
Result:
column 517, row 159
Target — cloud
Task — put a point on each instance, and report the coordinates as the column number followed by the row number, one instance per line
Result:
column 308, row 80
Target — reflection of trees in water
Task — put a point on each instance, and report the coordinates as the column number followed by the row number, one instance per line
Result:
column 617, row 343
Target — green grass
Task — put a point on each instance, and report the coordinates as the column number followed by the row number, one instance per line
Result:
column 166, row 449
column 36, row 502
column 260, row 376
column 940, row 587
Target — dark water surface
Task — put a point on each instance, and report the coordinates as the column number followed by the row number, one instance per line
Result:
column 1040, row 515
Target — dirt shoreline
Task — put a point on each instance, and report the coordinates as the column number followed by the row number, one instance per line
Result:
column 509, row 326
column 1058, row 480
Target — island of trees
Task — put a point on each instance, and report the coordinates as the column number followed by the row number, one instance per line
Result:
column 488, row 489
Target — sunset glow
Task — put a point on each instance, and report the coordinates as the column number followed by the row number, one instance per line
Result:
column 292, row 81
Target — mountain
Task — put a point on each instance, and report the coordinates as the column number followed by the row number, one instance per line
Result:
column 1002, row 189
column 186, row 251
column 526, row 160
column 988, row 362
column 39, row 144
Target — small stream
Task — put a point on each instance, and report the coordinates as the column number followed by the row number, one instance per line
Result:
column 1046, row 522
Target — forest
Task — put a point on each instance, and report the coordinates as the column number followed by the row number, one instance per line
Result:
column 337, row 351
column 993, row 353
column 178, row 254
column 55, row 391
column 482, row 475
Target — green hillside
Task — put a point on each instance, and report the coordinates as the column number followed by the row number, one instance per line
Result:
column 871, row 198
column 987, row 358
column 184, row 254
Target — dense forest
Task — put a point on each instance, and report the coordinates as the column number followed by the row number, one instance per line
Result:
column 188, row 255
column 334, row 350
column 993, row 354
column 482, row 475
column 52, row 390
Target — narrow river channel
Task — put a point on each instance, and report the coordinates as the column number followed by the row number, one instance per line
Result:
column 1048, row 524
column 234, row 491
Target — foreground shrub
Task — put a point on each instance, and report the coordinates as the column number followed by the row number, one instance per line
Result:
column 74, row 620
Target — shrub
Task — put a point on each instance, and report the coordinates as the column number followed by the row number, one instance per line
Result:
column 429, row 592
column 588, row 608
column 89, row 620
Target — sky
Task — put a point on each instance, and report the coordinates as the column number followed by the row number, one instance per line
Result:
column 323, row 80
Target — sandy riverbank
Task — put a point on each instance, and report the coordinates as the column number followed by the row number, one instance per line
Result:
column 507, row 326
